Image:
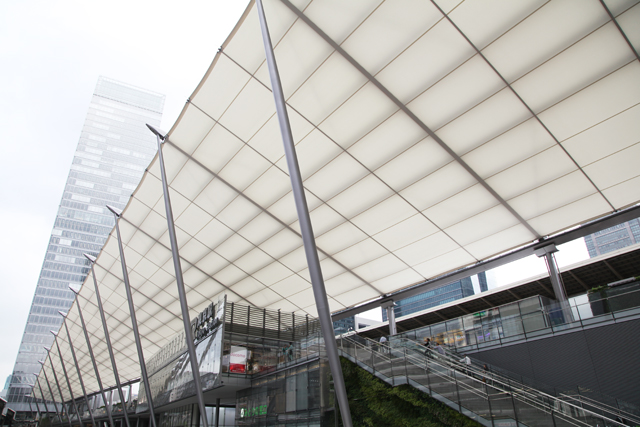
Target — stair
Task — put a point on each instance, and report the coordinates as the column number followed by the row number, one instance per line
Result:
column 486, row 397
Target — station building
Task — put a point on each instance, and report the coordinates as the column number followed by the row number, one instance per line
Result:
column 434, row 140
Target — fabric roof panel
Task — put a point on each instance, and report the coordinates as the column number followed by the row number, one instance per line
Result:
column 269, row 187
column 438, row 186
column 384, row 215
column 192, row 180
column 414, row 164
column 484, row 22
column 335, row 177
column 623, row 194
column 260, row 228
column 360, row 253
column 512, row 147
column 424, row 63
column 587, row 61
column 342, row 283
column 491, row 118
column 553, row 195
column 461, row 206
column 215, row 197
column 390, row 138
column 461, row 89
column 223, row 84
column 619, row 167
column 387, row 31
column 589, row 207
column 362, row 195
column 390, row 283
column 245, row 44
column 255, row 103
column 444, row 263
column 603, row 99
column 338, row 18
column 544, row 167
column 380, row 268
column 298, row 55
column 502, row 240
column 238, row 213
column 426, row 248
column 628, row 22
column 314, row 152
column 483, row 224
column 290, row 286
column 217, row 149
column 194, row 251
column 245, row 167
column 268, row 140
column 340, row 238
column 195, row 125
column 355, row 295
column 406, row 232
column 542, row 35
column 620, row 132
column 358, row 116
column 325, row 90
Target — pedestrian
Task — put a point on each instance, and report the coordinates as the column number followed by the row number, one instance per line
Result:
column 485, row 373
column 467, row 363
column 383, row 341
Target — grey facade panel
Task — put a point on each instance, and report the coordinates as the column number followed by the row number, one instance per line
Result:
column 602, row 359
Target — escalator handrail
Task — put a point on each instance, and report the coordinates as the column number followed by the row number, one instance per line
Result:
column 455, row 364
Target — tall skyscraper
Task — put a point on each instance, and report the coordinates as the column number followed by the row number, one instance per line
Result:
column 613, row 238
column 114, row 149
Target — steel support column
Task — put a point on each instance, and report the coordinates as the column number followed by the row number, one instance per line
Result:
column 134, row 321
column 547, row 252
column 92, row 260
column 311, row 252
column 93, row 361
column 55, row 377
column 193, row 358
column 64, row 370
column 30, row 407
column 35, row 400
column 75, row 362
column 391, row 316
column 53, row 398
column 44, row 401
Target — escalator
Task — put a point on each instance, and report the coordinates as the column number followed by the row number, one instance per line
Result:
column 487, row 397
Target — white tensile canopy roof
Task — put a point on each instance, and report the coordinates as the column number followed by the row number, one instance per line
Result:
column 430, row 136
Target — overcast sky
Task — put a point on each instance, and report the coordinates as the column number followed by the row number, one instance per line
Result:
column 51, row 54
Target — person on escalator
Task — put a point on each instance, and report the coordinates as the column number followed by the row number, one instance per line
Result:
column 467, row 363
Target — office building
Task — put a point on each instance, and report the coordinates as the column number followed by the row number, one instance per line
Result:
column 453, row 291
column 114, row 149
column 613, row 238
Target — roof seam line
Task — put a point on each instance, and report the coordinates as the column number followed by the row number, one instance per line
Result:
column 370, row 171
column 479, row 53
column 240, row 193
column 624, row 35
column 181, row 258
column 412, row 116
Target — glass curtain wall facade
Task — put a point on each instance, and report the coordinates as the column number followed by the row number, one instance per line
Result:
column 613, row 238
column 453, row 291
column 114, row 149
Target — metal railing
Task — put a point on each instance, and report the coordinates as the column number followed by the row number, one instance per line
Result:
column 487, row 397
column 530, row 318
